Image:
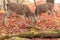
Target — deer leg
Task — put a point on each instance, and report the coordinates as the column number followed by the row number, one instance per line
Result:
column 6, row 18
column 25, row 19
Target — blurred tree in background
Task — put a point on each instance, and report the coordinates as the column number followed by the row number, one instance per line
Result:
column 50, row 1
column 4, row 4
column 24, row 2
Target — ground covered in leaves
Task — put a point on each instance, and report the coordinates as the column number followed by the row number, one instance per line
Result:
column 16, row 25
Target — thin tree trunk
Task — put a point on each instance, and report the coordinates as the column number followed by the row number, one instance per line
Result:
column 8, row 1
column 50, row 1
column 34, row 15
column 4, row 4
column 17, row 1
column 4, row 9
column 34, row 2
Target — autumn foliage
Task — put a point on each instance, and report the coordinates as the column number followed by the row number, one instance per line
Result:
column 17, row 22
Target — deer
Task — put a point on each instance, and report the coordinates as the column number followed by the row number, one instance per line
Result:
column 43, row 8
column 19, row 9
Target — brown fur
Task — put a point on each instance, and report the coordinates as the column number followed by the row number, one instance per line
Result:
column 42, row 8
column 19, row 9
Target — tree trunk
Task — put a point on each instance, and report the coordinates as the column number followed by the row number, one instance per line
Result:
column 50, row 1
column 17, row 1
column 8, row 1
column 4, row 4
